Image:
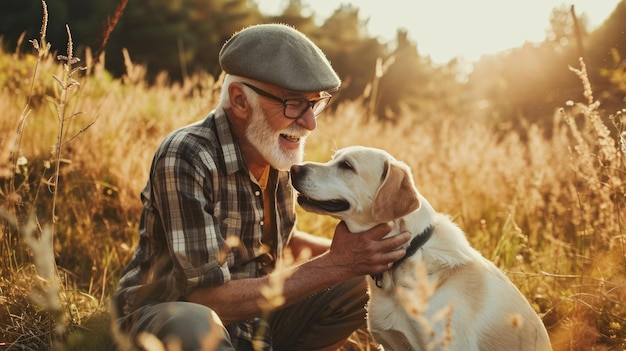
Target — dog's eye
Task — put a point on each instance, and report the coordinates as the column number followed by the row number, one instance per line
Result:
column 346, row 165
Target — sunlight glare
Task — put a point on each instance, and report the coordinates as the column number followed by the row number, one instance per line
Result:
column 445, row 29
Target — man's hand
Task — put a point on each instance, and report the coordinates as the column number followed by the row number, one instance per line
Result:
column 350, row 255
column 367, row 252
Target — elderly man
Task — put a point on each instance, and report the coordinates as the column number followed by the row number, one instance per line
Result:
column 219, row 213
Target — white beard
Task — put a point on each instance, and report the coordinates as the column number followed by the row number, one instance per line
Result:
column 260, row 134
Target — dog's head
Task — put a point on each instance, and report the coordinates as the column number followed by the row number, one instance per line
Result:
column 362, row 186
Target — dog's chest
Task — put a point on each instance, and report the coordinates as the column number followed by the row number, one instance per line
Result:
column 385, row 306
column 388, row 320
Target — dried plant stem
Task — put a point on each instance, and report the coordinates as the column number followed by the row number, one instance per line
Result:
column 66, row 83
column 110, row 25
column 40, row 240
column 43, row 49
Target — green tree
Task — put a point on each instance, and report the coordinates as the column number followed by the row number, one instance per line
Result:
column 527, row 84
column 565, row 30
column 294, row 15
column 85, row 19
column 412, row 82
column 353, row 53
column 178, row 36
column 607, row 60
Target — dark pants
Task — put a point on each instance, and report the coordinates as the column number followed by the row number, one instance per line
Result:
column 321, row 320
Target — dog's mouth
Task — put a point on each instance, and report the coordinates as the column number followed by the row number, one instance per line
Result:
column 330, row 206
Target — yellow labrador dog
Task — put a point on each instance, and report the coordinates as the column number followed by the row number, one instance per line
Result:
column 470, row 304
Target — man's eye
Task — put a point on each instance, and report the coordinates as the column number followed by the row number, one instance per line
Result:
column 295, row 103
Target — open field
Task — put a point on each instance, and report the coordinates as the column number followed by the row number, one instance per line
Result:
column 75, row 152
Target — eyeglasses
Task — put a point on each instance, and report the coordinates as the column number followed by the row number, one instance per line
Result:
column 295, row 108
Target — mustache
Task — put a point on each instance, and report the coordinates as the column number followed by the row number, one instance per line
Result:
column 296, row 130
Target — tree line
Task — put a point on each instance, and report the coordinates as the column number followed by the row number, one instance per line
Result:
column 183, row 37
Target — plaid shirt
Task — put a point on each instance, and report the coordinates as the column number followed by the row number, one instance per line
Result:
column 199, row 194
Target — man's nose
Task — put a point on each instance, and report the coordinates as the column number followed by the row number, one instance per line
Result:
column 307, row 120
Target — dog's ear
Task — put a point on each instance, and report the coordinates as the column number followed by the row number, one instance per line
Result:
column 397, row 195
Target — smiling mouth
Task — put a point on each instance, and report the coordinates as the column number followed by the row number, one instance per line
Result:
column 290, row 138
column 330, row 206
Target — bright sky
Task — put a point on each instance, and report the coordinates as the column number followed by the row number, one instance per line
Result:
column 444, row 29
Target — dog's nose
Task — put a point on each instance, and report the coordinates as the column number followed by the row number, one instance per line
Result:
column 297, row 172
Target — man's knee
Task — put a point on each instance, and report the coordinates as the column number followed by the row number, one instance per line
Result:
column 324, row 319
column 180, row 326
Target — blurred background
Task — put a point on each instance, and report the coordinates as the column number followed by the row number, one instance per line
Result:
column 507, row 62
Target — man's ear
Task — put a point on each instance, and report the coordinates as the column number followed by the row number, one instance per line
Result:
column 238, row 102
column 397, row 195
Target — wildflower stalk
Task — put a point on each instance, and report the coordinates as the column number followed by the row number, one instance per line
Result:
column 66, row 83
column 43, row 49
column 40, row 239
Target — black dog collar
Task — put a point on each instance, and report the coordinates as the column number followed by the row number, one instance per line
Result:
column 415, row 245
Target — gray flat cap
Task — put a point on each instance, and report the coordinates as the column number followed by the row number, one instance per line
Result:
column 279, row 55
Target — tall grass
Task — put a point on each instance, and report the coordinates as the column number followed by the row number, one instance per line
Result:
column 548, row 211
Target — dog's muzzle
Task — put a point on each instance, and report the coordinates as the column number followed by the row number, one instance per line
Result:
column 298, row 174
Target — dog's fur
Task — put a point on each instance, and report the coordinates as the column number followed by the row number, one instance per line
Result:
column 472, row 305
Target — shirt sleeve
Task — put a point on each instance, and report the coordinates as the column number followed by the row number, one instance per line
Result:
column 183, row 196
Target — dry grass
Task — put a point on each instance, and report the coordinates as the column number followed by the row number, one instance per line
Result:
column 549, row 212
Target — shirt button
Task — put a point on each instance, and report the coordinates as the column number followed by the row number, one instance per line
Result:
column 261, row 223
column 257, row 193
